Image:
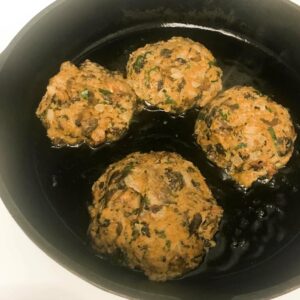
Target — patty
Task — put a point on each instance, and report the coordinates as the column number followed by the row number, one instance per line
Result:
column 156, row 210
column 88, row 104
column 246, row 133
column 174, row 75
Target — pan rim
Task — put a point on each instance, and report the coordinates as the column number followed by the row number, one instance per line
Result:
column 63, row 259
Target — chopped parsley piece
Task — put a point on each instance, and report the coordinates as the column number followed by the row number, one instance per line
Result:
column 121, row 108
column 85, row 94
column 128, row 169
column 240, row 146
column 105, row 92
column 273, row 134
column 146, row 201
column 201, row 116
column 196, row 184
column 212, row 63
column 147, row 79
column 106, row 95
column 248, row 96
column 269, row 109
column 223, row 115
column 145, row 230
column 168, row 99
column 166, row 53
column 140, row 62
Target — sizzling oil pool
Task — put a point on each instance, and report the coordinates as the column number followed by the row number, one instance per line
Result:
column 257, row 223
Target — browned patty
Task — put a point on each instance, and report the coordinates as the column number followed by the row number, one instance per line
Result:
column 246, row 133
column 157, row 211
column 88, row 104
column 174, row 75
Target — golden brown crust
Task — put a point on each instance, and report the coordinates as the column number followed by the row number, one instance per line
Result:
column 87, row 104
column 157, row 210
column 174, row 75
column 246, row 133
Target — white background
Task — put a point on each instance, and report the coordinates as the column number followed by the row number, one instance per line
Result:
column 27, row 273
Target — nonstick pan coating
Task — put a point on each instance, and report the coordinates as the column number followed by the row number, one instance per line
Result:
column 47, row 190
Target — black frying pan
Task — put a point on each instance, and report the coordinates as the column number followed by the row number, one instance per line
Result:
column 47, row 190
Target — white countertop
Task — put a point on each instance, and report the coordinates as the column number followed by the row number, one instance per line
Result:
column 27, row 273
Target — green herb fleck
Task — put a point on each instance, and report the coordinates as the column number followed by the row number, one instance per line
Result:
column 240, row 146
column 212, row 63
column 146, row 201
column 140, row 62
column 273, row 135
column 168, row 99
column 128, row 169
column 145, row 230
column 85, row 94
column 105, row 223
column 269, row 109
column 166, row 53
column 120, row 107
column 201, row 116
column 248, row 96
column 161, row 233
column 196, row 184
column 147, row 75
column 105, row 92
column 223, row 115
column 214, row 80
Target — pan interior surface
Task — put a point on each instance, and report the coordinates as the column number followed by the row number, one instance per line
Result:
column 48, row 189
column 257, row 223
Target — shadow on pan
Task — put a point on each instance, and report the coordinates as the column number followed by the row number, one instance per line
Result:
column 47, row 190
